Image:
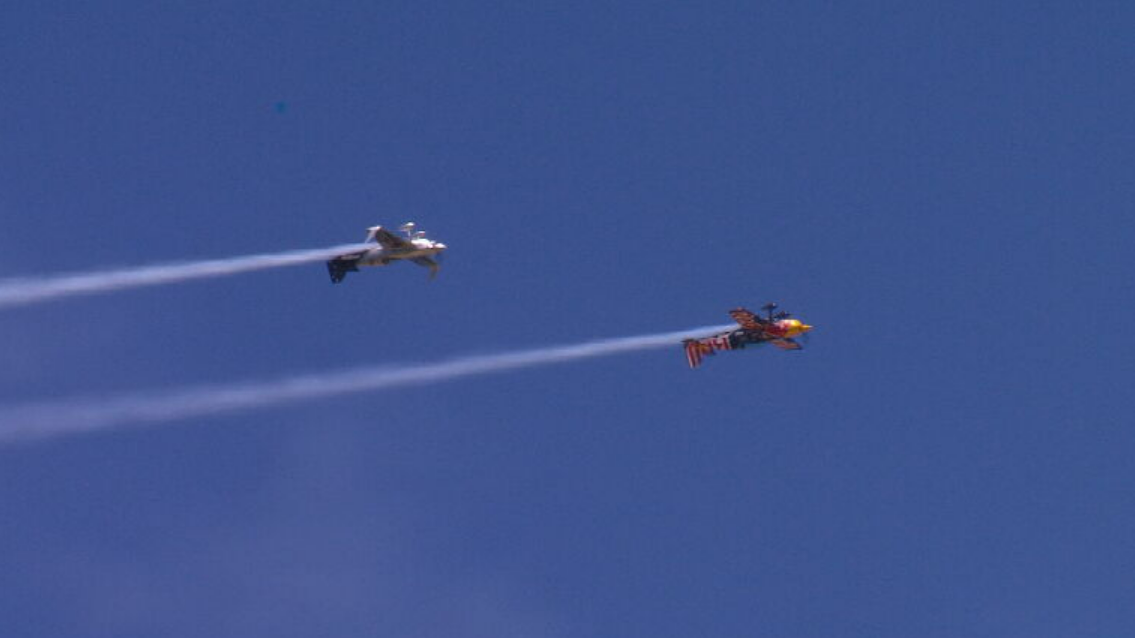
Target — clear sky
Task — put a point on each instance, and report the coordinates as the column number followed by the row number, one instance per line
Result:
column 943, row 189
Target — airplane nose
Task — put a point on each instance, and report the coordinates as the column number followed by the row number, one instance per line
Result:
column 440, row 246
column 805, row 328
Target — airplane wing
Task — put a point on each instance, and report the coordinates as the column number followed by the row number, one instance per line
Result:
column 786, row 344
column 746, row 319
column 386, row 238
column 428, row 263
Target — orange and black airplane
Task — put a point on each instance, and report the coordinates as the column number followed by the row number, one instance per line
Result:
column 775, row 328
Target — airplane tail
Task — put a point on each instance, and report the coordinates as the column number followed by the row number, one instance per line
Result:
column 695, row 350
column 339, row 267
column 698, row 348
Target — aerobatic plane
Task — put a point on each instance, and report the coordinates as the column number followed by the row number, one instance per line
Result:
column 775, row 328
column 389, row 247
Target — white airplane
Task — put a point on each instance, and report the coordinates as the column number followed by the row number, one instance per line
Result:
column 389, row 247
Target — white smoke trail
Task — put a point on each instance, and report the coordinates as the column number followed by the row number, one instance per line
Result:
column 21, row 292
column 77, row 415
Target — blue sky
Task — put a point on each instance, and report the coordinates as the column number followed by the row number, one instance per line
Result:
column 944, row 191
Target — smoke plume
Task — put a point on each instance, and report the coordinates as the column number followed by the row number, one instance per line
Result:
column 22, row 292
column 77, row 415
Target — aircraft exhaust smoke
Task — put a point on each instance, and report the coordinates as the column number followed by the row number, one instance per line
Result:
column 22, row 292
column 62, row 417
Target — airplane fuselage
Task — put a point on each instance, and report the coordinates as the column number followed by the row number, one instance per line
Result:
column 781, row 329
column 786, row 328
column 380, row 255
